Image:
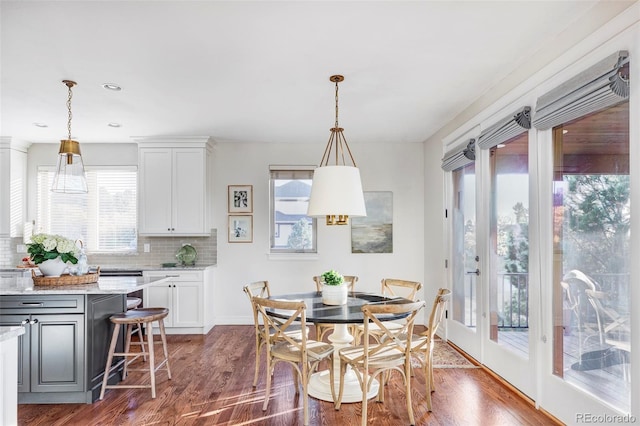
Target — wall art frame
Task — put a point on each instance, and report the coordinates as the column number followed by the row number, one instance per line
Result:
column 240, row 199
column 240, row 228
column 374, row 233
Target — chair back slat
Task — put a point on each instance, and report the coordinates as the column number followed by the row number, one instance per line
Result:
column 437, row 311
column 389, row 339
column 400, row 288
column 259, row 289
column 275, row 329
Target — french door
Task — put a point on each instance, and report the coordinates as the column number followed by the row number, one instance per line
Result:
column 490, row 307
column 464, row 315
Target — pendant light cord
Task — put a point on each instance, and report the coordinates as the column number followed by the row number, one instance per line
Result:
column 69, row 109
column 337, row 105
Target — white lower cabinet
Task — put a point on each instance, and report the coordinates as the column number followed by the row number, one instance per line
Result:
column 183, row 296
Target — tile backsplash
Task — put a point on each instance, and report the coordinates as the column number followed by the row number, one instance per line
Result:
column 162, row 249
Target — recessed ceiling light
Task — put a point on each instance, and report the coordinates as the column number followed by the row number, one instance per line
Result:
column 40, row 125
column 112, row 86
column 114, row 125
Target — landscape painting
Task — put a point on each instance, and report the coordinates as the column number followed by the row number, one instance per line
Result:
column 374, row 233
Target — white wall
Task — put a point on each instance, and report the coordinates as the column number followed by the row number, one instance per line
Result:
column 383, row 167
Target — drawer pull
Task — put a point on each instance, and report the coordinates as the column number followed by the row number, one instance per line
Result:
column 31, row 304
column 171, row 276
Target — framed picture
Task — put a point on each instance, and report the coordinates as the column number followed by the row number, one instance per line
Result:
column 240, row 228
column 240, row 198
column 374, row 233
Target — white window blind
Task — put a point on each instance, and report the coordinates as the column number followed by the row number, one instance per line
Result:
column 105, row 218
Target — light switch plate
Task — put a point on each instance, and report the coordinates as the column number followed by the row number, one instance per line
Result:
column 147, row 247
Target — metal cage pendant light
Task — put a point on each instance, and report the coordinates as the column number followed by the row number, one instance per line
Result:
column 336, row 192
column 69, row 177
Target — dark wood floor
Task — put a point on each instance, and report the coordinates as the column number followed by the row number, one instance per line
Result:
column 212, row 385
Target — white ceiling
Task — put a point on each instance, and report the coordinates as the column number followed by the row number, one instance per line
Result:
column 259, row 71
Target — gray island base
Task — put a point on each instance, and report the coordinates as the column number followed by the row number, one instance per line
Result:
column 63, row 351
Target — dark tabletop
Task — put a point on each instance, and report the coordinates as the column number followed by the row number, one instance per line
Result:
column 350, row 313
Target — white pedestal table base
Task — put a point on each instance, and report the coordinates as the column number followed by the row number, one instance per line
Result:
column 319, row 383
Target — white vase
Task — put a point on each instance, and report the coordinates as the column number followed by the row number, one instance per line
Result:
column 52, row 267
column 335, row 294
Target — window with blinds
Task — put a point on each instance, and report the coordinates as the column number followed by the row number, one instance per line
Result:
column 292, row 231
column 105, row 218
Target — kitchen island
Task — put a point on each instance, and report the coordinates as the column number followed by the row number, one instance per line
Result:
column 62, row 354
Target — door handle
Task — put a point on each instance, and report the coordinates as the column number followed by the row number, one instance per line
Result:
column 24, row 321
column 33, row 321
column 477, row 272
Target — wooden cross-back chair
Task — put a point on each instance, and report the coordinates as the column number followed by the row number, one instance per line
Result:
column 302, row 354
column 376, row 360
column 261, row 289
column 322, row 329
column 423, row 343
column 391, row 287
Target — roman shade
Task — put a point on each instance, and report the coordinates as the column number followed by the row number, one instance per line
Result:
column 457, row 158
column 603, row 85
column 505, row 129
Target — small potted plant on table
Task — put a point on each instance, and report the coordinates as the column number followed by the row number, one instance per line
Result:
column 334, row 292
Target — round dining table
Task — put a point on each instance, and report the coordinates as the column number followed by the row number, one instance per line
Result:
column 340, row 316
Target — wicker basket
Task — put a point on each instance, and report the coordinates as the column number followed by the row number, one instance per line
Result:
column 65, row 279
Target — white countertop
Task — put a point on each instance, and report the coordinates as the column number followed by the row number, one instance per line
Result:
column 7, row 333
column 105, row 285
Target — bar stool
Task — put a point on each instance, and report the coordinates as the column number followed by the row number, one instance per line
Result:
column 137, row 317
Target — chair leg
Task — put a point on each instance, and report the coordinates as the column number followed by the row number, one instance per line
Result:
column 165, row 349
column 305, row 395
column 127, row 349
column 268, row 386
column 407, row 386
column 152, row 360
column 112, row 349
column 364, row 401
column 141, row 339
column 257, row 369
column 343, row 370
column 428, row 378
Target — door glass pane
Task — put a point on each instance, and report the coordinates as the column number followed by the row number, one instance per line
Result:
column 591, row 254
column 509, row 275
column 464, row 246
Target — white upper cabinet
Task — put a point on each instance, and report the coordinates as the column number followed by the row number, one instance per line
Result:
column 13, row 183
column 174, row 187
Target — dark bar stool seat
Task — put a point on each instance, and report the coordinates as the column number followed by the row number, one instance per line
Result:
column 136, row 318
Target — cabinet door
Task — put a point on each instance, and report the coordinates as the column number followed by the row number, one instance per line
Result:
column 23, row 348
column 155, row 191
column 5, row 179
column 160, row 296
column 188, row 196
column 57, row 353
column 187, row 304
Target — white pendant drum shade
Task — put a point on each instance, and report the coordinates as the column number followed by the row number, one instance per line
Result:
column 336, row 191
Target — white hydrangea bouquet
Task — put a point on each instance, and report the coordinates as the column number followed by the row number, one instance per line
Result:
column 46, row 246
